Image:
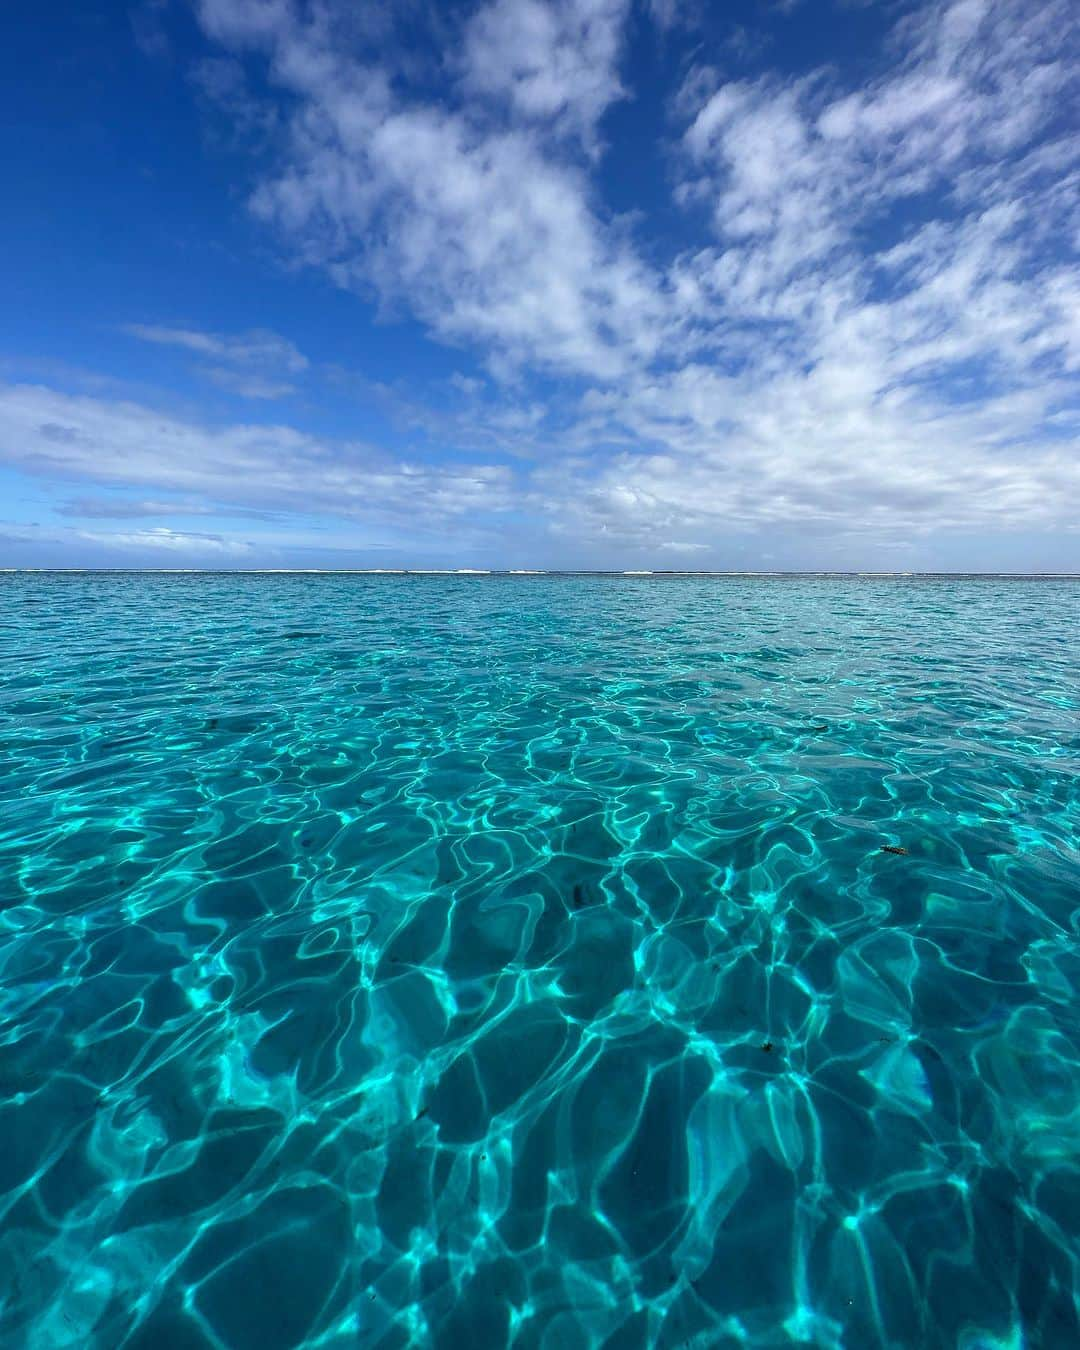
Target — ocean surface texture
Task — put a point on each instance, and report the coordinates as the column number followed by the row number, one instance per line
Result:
column 474, row 962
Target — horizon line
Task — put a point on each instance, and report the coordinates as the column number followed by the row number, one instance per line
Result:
column 534, row 572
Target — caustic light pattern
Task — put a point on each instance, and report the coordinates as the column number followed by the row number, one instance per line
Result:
column 485, row 962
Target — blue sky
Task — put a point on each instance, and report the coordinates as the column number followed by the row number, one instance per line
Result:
column 580, row 283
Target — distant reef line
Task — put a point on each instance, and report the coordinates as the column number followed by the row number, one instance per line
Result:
column 540, row 572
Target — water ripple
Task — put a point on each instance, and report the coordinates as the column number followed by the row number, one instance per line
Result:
column 482, row 962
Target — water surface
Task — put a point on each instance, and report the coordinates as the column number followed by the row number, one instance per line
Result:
column 514, row 961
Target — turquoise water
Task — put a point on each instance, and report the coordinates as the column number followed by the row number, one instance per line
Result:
column 489, row 961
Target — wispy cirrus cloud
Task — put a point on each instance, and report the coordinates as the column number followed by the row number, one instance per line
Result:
column 160, row 537
column 246, row 384
column 156, row 540
column 126, row 508
column 258, row 349
column 254, row 364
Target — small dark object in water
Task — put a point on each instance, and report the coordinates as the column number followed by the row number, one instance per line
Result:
column 301, row 633
column 892, row 848
column 422, row 1112
column 579, row 895
column 766, row 1046
column 305, row 843
column 212, row 724
column 823, row 727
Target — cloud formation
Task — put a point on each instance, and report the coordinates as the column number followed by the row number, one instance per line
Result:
column 553, row 63
column 258, row 349
column 844, row 303
column 470, row 210
column 123, row 445
column 253, row 364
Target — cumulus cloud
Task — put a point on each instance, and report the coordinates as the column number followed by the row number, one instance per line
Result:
column 480, row 220
column 893, row 335
column 552, row 62
column 895, row 470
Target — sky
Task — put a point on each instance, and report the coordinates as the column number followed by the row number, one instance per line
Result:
column 540, row 283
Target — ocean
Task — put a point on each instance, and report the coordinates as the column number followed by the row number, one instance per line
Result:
column 550, row 961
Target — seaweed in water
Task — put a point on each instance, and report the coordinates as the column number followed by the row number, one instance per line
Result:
column 892, row 848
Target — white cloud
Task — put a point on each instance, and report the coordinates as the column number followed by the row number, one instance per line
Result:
column 814, row 454
column 480, row 224
column 75, row 439
column 549, row 61
column 245, row 384
column 171, row 541
column 868, row 328
column 892, row 334
column 258, row 349
column 183, row 544
column 126, row 508
column 970, row 85
column 673, row 14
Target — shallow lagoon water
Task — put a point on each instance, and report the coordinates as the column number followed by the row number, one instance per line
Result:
column 513, row 961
